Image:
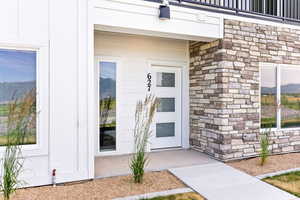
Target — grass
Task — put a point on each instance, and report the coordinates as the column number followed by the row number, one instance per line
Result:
column 286, row 123
column 268, row 100
column 290, row 123
column 289, row 182
column 268, row 122
column 289, row 101
column 108, row 125
column 3, row 109
column 184, row 196
column 144, row 114
column 112, row 104
column 264, row 145
column 30, row 139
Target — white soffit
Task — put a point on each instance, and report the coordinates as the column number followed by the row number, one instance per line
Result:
column 141, row 17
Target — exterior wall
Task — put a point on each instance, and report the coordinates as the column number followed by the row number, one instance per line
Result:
column 19, row 31
column 63, row 33
column 224, row 75
column 134, row 54
column 57, row 30
column 224, row 88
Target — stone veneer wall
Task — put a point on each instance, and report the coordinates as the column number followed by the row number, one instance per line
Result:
column 224, row 89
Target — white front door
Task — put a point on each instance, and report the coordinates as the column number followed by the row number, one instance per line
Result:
column 166, row 86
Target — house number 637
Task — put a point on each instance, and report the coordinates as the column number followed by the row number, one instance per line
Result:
column 149, row 77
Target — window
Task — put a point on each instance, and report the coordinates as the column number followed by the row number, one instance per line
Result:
column 166, row 105
column 268, row 97
column 165, row 79
column 165, row 129
column 107, row 106
column 290, row 97
column 17, row 84
column 280, row 96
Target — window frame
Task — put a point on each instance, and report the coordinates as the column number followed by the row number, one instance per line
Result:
column 278, row 68
column 97, row 60
column 42, row 99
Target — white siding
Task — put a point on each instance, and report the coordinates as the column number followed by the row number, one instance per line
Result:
column 24, row 28
column 58, row 30
column 68, row 118
column 134, row 53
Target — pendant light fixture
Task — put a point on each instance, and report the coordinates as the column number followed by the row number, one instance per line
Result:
column 164, row 10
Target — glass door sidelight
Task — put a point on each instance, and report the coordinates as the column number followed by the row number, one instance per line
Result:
column 107, row 106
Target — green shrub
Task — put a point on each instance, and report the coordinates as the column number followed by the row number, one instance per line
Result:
column 144, row 114
column 264, row 145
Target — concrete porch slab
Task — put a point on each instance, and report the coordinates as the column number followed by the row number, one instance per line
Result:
column 217, row 181
column 107, row 166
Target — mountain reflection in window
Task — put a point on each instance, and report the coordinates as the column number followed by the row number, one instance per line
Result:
column 268, row 97
column 290, row 97
column 107, row 106
column 17, row 90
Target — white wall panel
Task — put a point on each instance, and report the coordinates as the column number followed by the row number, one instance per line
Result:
column 63, row 78
column 68, row 146
column 33, row 20
column 9, row 19
column 58, row 30
column 24, row 24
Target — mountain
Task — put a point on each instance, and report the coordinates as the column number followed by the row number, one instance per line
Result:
column 268, row 90
column 107, row 88
column 287, row 89
column 290, row 88
column 14, row 90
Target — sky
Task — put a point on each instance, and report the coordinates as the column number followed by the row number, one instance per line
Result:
column 17, row 65
column 108, row 70
column 289, row 75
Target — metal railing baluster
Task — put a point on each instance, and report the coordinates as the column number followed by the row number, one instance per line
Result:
column 277, row 10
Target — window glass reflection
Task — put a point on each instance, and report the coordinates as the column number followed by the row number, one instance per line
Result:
column 268, row 97
column 290, row 97
column 107, row 106
column 18, row 84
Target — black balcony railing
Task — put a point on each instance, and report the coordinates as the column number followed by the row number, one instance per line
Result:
column 276, row 10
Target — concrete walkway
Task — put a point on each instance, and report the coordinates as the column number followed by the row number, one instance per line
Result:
column 217, row 181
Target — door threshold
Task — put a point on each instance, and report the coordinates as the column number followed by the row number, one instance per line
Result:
column 167, row 149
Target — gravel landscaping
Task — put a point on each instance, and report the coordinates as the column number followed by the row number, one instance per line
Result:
column 274, row 163
column 102, row 189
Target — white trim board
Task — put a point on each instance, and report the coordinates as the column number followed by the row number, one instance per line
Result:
column 141, row 17
column 118, row 62
column 42, row 94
